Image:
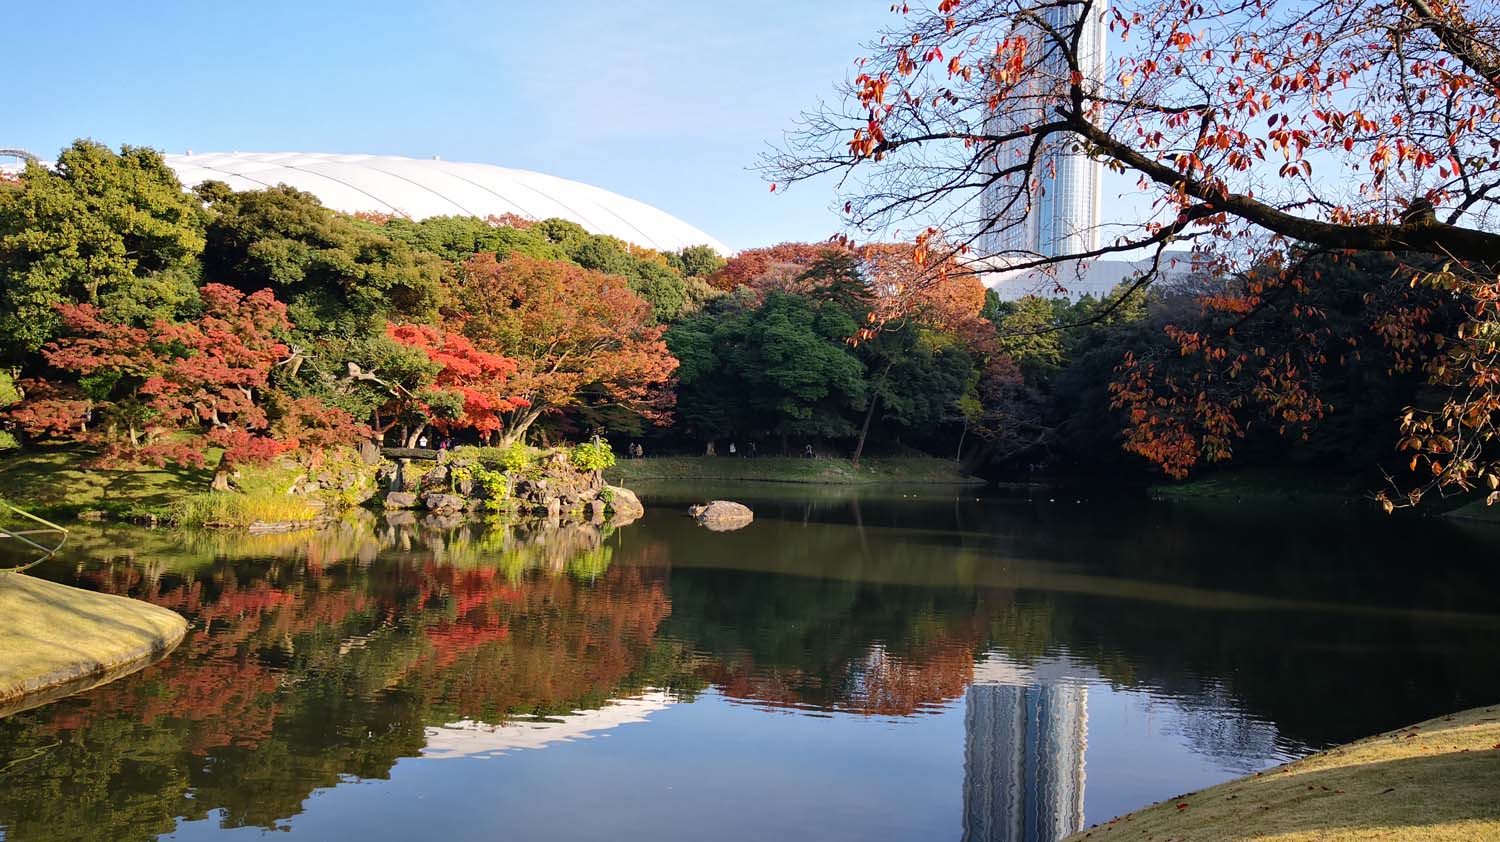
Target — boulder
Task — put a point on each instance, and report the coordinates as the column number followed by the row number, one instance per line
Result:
column 436, row 479
column 401, row 500
column 622, row 502
column 722, row 515
column 443, row 503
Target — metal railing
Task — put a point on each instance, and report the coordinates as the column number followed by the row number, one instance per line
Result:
column 29, row 537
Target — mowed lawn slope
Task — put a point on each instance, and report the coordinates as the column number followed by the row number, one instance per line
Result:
column 1437, row 781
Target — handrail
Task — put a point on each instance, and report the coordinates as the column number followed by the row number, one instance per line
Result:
column 22, row 536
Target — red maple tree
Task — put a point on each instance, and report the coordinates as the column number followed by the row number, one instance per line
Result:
column 1264, row 133
column 470, row 381
column 171, row 391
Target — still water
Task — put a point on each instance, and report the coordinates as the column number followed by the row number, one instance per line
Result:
column 890, row 665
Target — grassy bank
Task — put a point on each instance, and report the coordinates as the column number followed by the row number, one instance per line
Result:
column 57, row 484
column 58, row 640
column 1267, row 486
column 1438, row 781
column 784, row 469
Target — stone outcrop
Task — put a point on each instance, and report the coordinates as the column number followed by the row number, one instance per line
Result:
column 401, row 500
column 552, row 488
column 622, row 504
column 722, row 515
column 442, row 503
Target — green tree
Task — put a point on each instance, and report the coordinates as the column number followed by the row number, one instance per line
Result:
column 109, row 229
column 457, row 238
column 696, row 261
column 784, row 368
column 337, row 274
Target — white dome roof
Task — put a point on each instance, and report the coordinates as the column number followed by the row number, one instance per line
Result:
column 418, row 188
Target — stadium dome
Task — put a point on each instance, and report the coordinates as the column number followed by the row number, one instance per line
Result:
column 418, row 188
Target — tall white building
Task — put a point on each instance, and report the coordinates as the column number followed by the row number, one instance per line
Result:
column 1062, row 216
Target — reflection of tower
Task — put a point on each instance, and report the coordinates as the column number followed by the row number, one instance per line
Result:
column 1023, row 761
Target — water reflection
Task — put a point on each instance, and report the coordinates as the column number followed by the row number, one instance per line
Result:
column 968, row 661
column 1025, row 734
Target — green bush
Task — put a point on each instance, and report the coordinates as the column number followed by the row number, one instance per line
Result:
column 592, row 456
column 495, row 484
column 513, row 459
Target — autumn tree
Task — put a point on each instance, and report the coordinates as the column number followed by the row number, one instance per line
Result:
column 1257, row 128
column 578, row 338
column 170, row 391
column 112, row 230
column 772, row 267
column 467, row 390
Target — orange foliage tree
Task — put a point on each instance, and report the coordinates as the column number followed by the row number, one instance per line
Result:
column 1263, row 132
column 578, row 338
column 469, row 391
column 771, row 267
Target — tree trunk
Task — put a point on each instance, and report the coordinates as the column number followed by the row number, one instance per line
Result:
column 221, row 475
column 416, row 433
column 517, row 431
column 958, row 455
column 864, row 431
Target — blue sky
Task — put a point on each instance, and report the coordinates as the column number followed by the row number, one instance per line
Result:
column 665, row 101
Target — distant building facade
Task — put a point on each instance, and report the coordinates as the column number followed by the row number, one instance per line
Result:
column 1064, row 214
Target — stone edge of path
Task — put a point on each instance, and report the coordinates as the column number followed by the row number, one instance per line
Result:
column 56, row 639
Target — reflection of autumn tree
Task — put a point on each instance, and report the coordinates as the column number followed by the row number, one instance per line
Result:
column 298, row 673
column 843, row 645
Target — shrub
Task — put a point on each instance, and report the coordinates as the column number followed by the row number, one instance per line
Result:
column 592, row 456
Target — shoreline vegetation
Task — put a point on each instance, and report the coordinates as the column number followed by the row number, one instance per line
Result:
column 1434, row 781
column 60, row 640
column 910, row 470
column 1273, row 487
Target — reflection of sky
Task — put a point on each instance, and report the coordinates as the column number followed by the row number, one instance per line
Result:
column 714, row 768
column 468, row 738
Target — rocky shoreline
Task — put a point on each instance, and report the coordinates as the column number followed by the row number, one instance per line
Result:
column 458, row 486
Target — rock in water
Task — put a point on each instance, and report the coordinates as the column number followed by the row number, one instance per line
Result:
column 401, row 500
column 623, row 504
column 722, row 515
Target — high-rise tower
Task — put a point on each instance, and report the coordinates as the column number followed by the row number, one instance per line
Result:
column 1063, row 215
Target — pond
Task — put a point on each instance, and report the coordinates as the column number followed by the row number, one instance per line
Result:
column 891, row 664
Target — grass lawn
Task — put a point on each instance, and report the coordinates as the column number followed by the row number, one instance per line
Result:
column 906, row 469
column 1437, row 781
column 1266, row 485
column 54, row 482
column 57, row 639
